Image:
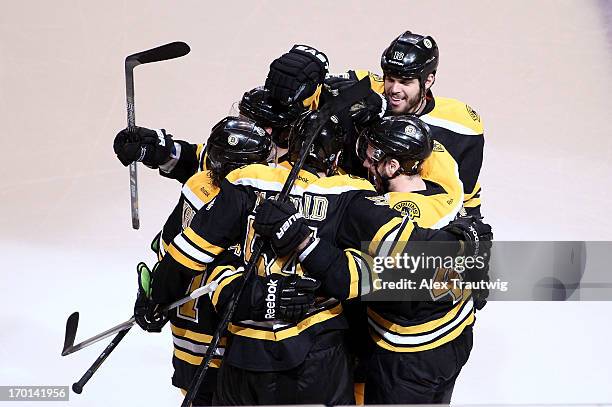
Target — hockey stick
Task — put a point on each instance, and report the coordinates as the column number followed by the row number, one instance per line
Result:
column 78, row 386
column 349, row 97
column 162, row 53
column 73, row 322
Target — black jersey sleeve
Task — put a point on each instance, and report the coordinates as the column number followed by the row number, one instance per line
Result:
column 187, row 163
column 214, row 228
column 344, row 274
column 349, row 273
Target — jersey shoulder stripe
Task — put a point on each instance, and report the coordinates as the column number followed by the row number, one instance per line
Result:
column 437, row 206
column 428, row 211
column 264, row 177
column 339, row 184
column 199, row 190
column 455, row 116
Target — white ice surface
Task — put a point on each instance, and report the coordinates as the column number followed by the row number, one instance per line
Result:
column 537, row 71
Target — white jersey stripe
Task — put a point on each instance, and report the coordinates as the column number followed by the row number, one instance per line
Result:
column 192, row 347
column 191, row 250
column 192, row 198
column 449, row 125
column 415, row 340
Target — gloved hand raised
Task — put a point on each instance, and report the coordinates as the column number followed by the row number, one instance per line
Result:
column 363, row 113
column 294, row 76
column 145, row 310
column 282, row 224
column 152, row 147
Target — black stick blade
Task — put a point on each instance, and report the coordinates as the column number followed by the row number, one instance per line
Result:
column 71, row 329
column 168, row 51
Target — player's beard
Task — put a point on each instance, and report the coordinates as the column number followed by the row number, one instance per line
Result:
column 377, row 180
column 411, row 105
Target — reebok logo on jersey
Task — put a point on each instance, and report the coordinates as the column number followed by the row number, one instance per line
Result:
column 285, row 226
column 271, row 299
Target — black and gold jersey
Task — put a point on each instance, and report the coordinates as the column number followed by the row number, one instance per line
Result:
column 407, row 326
column 422, row 325
column 460, row 129
column 343, row 210
column 454, row 124
column 193, row 323
column 441, row 201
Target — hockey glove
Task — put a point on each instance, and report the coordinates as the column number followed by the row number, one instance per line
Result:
column 363, row 113
column 476, row 238
column 287, row 298
column 152, row 147
column 282, row 224
column 294, row 76
column 145, row 310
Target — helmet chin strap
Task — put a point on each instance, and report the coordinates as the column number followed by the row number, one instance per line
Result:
column 423, row 94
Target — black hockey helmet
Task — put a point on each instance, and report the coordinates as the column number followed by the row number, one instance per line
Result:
column 327, row 146
column 259, row 106
column 411, row 56
column 405, row 138
column 237, row 142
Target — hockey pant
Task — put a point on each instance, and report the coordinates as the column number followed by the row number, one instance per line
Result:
column 324, row 377
column 426, row 377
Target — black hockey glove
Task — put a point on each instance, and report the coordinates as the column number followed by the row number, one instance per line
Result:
column 363, row 113
column 283, row 224
column 145, row 310
column 294, row 76
column 476, row 237
column 287, row 298
column 152, row 147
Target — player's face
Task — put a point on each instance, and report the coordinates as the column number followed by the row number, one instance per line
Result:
column 404, row 95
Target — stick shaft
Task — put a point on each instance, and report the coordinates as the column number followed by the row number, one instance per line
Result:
column 124, row 328
column 97, row 338
column 78, row 386
column 128, row 324
column 131, row 123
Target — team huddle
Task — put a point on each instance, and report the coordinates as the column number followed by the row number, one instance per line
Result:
column 396, row 167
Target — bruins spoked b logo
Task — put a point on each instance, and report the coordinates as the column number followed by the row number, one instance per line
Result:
column 232, row 140
column 408, row 208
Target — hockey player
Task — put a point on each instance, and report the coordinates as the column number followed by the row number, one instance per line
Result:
column 341, row 210
column 409, row 66
column 233, row 143
column 393, row 152
column 179, row 159
column 419, row 347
